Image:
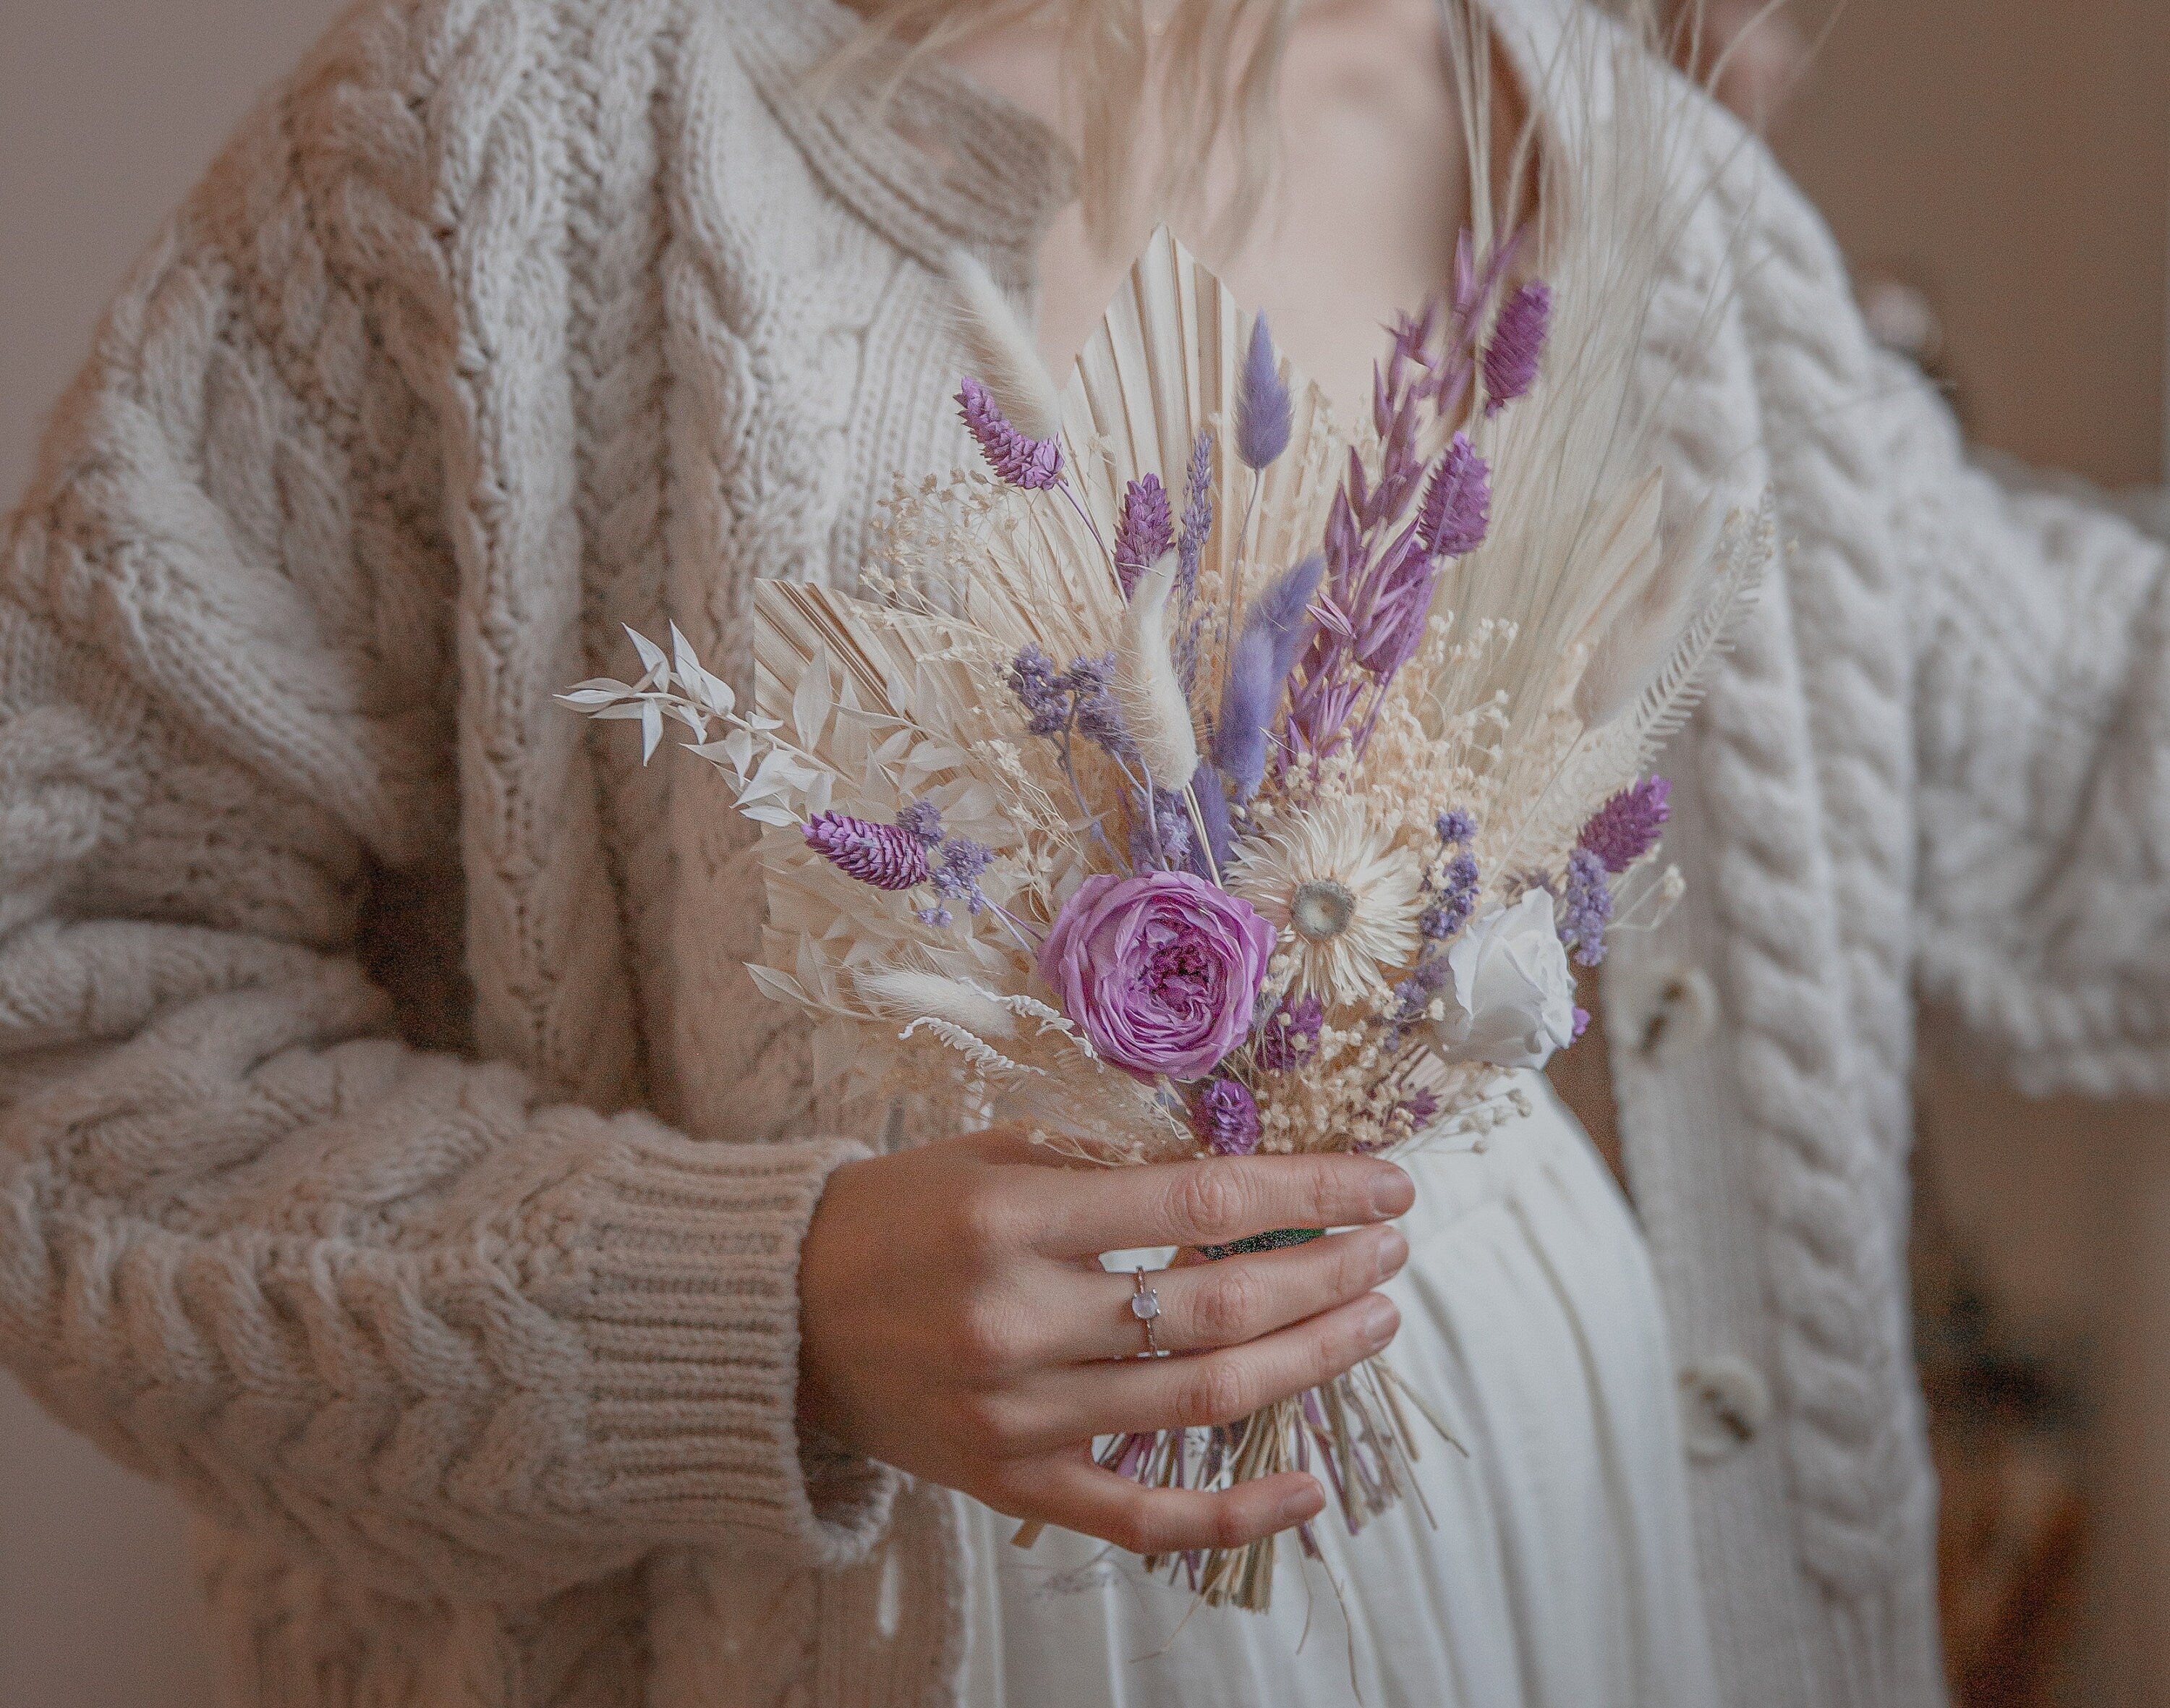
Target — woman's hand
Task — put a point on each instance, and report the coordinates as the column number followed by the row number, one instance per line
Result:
column 954, row 1324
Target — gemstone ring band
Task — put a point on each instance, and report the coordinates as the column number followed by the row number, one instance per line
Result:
column 1145, row 1306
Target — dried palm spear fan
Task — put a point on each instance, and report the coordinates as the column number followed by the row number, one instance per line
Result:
column 1195, row 780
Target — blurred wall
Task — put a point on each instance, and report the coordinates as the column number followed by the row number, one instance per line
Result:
column 109, row 109
column 2011, row 158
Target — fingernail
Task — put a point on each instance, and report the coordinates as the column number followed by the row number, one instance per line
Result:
column 1379, row 1321
column 1393, row 1253
column 1392, row 1192
column 1298, row 1506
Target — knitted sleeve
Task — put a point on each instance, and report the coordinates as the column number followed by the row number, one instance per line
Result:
column 2043, row 737
column 392, row 1307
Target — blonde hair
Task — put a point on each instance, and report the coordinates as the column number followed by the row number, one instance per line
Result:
column 1212, row 67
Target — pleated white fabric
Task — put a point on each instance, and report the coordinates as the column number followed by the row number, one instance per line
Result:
column 1559, row 1573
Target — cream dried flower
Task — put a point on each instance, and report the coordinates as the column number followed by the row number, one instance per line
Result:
column 1345, row 900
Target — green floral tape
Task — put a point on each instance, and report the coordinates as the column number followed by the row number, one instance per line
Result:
column 1278, row 1240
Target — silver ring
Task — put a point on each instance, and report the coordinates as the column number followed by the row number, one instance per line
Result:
column 1145, row 1306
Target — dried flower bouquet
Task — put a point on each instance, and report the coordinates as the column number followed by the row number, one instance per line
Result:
column 1195, row 781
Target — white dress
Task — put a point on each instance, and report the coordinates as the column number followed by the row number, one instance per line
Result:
column 1559, row 1573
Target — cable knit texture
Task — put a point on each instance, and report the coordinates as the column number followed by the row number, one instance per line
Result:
column 397, row 1159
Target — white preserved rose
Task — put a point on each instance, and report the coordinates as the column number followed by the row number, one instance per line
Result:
column 1509, row 997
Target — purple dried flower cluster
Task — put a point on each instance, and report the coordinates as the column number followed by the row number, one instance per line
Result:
column 1421, row 1108
column 1456, row 828
column 1290, row 1035
column 1586, row 908
column 1628, row 825
column 1517, row 349
column 1057, row 701
column 1160, row 840
column 888, row 856
column 1014, row 457
column 1145, row 530
column 923, row 820
column 1262, row 403
column 1224, row 1117
column 1454, row 902
column 957, row 877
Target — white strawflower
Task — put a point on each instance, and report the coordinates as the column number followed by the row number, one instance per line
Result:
column 1509, row 996
column 1344, row 899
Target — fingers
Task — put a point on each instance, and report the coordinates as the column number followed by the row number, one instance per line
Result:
column 1080, row 1495
column 1217, row 1387
column 1237, row 1299
column 1081, row 1213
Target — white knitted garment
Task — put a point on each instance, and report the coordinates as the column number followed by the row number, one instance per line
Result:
column 358, row 1173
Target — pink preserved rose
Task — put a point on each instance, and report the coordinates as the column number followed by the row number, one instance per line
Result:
column 1161, row 970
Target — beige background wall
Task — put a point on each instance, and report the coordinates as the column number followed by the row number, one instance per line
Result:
column 108, row 109
column 2014, row 155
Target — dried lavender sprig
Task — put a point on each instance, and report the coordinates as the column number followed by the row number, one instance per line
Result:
column 1197, row 512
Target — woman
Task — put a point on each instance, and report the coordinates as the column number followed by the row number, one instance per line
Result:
column 419, row 1268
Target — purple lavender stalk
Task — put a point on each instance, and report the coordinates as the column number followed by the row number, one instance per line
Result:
column 1015, row 458
column 1628, row 825
column 1259, row 666
column 888, row 856
column 1207, row 790
column 1145, row 532
column 1517, row 349
column 1456, row 513
column 1197, row 511
column 1262, row 403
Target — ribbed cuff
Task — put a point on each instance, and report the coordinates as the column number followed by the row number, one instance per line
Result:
column 691, row 1314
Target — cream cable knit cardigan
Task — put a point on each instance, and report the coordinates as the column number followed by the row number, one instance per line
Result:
column 339, row 973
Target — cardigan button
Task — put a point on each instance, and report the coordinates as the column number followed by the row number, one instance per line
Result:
column 1723, row 1403
column 1671, row 1009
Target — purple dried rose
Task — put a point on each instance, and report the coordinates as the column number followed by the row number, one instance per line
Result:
column 1161, row 970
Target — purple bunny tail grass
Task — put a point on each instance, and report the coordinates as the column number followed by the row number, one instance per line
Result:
column 1015, row 458
column 1145, row 532
column 1259, row 666
column 1207, row 790
column 1511, row 360
column 1456, row 513
column 888, row 856
column 1262, row 403
column 1627, row 826
column 1224, row 1117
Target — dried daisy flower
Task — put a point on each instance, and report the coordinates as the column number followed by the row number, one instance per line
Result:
column 1345, row 900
